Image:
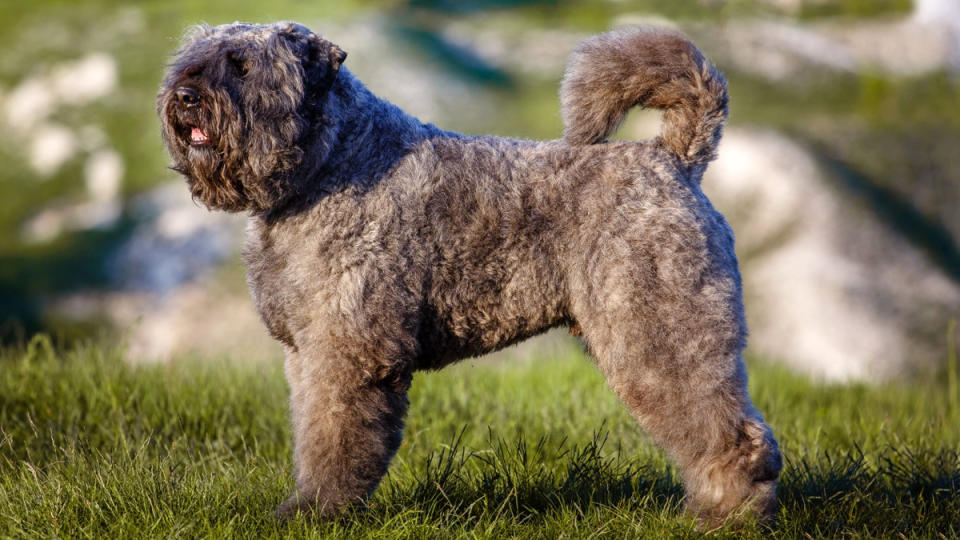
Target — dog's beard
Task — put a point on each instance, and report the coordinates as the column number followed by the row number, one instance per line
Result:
column 191, row 127
column 192, row 137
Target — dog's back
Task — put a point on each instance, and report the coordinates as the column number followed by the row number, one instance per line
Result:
column 506, row 200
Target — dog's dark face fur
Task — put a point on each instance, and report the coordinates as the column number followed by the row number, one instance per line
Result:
column 237, row 107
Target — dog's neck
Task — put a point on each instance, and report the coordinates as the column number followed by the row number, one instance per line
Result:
column 366, row 135
column 356, row 139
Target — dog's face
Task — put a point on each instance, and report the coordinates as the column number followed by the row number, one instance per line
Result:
column 236, row 106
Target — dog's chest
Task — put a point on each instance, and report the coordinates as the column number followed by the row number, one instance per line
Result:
column 285, row 273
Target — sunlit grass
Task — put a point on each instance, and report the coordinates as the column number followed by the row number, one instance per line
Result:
column 93, row 447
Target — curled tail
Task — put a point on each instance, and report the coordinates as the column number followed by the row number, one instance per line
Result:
column 610, row 73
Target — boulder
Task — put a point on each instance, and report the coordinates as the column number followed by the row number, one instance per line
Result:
column 832, row 288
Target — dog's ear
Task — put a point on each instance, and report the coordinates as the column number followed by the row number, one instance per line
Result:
column 312, row 48
column 321, row 61
column 322, row 50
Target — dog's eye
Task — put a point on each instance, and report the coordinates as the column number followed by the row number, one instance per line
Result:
column 238, row 63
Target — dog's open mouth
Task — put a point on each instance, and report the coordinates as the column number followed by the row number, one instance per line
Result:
column 199, row 137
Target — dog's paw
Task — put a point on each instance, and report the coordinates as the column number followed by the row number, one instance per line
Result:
column 316, row 508
column 739, row 482
column 763, row 462
column 291, row 507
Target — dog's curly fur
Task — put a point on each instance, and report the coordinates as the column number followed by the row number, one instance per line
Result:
column 378, row 245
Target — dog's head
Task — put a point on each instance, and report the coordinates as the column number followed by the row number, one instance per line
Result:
column 237, row 105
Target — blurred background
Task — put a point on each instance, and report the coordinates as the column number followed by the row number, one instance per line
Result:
column 839, row 170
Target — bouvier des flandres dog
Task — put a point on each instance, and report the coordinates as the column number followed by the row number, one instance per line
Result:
column 378, row 245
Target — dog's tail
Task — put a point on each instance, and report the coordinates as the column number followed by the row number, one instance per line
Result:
column 610, row 73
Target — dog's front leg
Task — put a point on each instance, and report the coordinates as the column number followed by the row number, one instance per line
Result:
column 347, row 425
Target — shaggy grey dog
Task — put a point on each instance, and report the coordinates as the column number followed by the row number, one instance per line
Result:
column 378, row 245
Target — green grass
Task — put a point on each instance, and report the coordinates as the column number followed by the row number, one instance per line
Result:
column 93, row 447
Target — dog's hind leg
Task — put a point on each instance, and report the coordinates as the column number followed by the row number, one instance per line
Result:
column 674, row 357
column 347, row 425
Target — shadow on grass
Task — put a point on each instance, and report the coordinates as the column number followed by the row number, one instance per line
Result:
column 517, row 479
column 896, row 491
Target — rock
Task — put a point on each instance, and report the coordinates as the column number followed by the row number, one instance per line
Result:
column 782, row 50
column 396, row 70
column 832, row 290
column 179, row 288
column 176, row 286
column 176, row 242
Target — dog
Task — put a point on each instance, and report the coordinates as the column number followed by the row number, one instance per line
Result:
column 378, row 245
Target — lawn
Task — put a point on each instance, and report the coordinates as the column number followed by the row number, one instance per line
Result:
column 91, row 446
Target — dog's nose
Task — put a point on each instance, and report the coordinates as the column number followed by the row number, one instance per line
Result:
column 187, row 97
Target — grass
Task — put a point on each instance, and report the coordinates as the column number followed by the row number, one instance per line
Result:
column 91, row 446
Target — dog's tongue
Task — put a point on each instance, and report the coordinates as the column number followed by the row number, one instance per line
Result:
column 198, row 135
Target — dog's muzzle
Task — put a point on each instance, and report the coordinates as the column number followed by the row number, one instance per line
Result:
column 187, row 100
